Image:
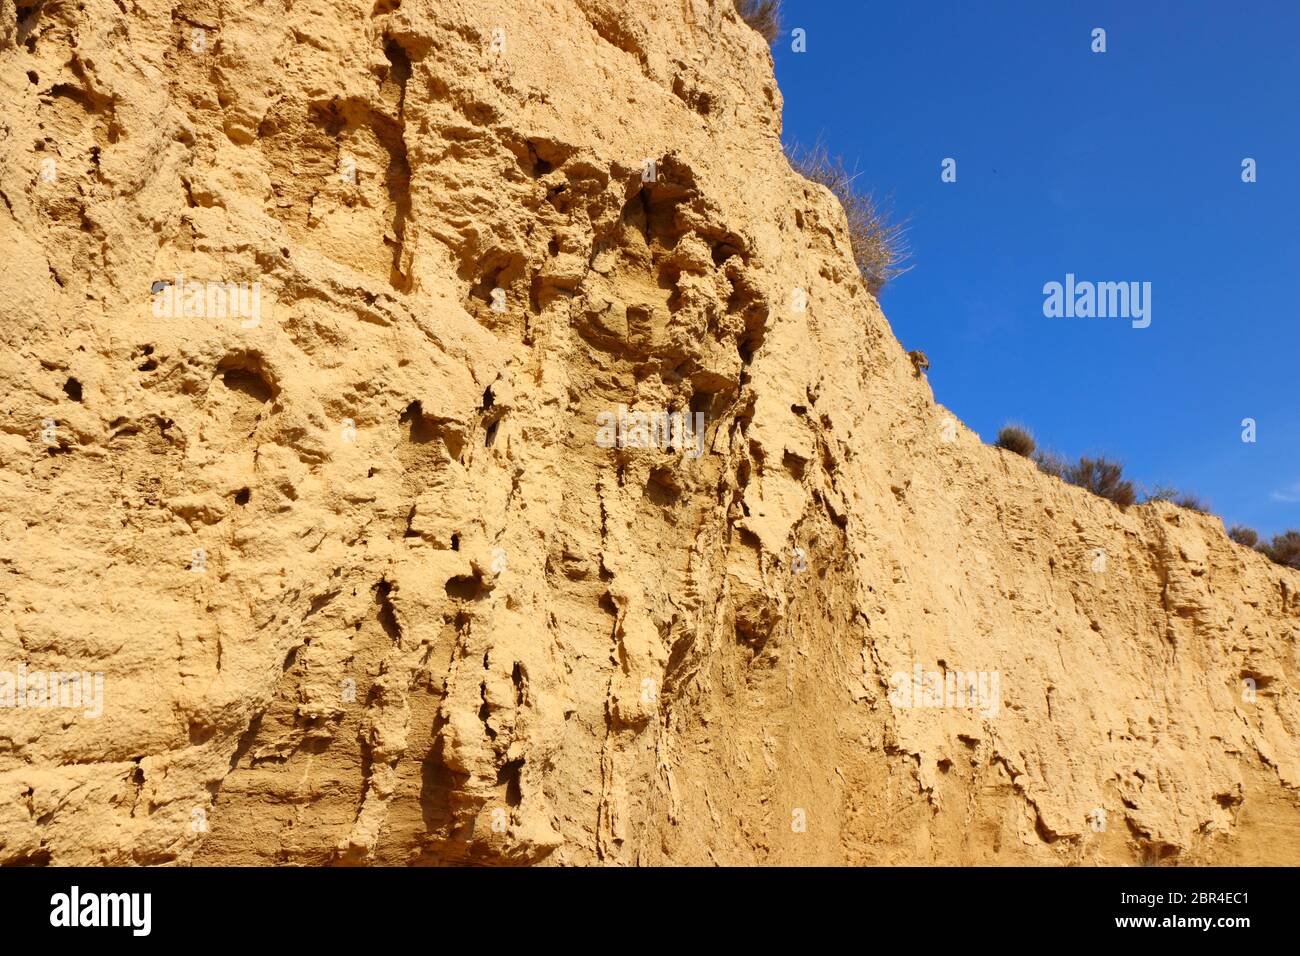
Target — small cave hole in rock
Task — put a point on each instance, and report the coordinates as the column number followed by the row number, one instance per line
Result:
column 454, row 444
column 518, row 678
column 509, row 775
column 247, row 379
column 420, row 431
column 794, row 465
column 467, row 587
column 72, row 388
column 242, row 496
column 387, row 616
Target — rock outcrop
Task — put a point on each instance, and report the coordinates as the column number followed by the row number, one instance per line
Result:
column 327, row 330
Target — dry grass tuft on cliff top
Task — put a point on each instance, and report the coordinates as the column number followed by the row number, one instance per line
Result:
column 1105, row 479
column 763, row 15
column 1284, row 549
column 1247, row 537
column 1184, row 499
column 1016, row 438
column 879, row 244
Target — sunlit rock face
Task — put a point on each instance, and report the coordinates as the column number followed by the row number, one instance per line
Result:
column 450, row 433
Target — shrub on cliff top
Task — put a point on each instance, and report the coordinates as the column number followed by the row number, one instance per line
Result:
column 763, row 15
column 1106, row 479
column 1184, row 499
column 1103, row 478
column 879, row 245
column 1017, row 439
column 1050, row 463
column 1248, row 537
column 1284, row 549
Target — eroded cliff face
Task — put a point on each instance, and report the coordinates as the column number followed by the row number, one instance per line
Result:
column 363, row 581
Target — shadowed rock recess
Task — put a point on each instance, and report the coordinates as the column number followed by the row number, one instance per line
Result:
column 365, row 588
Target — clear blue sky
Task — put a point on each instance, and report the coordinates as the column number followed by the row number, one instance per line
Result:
column 1115, row 166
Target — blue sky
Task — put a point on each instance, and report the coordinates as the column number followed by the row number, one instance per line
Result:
column 1115, row 166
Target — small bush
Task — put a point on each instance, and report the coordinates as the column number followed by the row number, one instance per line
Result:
column 1016, row 439
column 1184, row 499
column 1162, row 493
column 1284, row 549
column 1103, row 478
column 1193, row 503
column 1243, row 535
column 763, row 15
column 879, row 244
column 1050, row 463
column 1106, row 480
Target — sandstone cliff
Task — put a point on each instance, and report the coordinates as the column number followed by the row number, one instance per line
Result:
column 363, row 585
